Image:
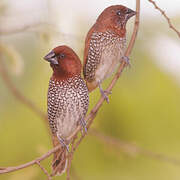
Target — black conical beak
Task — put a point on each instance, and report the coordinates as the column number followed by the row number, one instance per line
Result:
column 131, row 13
column 51, row 57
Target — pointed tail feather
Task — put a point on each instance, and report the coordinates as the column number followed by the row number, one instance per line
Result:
column 60, row 161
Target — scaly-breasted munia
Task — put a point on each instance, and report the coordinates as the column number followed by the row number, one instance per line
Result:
column 68, row 101
column 105, row 45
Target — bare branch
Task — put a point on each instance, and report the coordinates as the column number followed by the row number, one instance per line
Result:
column 166, row 17
column 39, row 159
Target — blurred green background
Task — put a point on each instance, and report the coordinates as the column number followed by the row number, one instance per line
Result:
column 143, row 108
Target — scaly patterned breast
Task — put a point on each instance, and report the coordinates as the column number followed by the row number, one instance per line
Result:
column 67, row 105
column 104, row 54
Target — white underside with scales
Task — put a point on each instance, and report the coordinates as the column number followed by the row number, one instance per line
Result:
column 110, row 59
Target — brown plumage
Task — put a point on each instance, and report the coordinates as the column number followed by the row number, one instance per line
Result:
column 67, row 101
column 105, row 45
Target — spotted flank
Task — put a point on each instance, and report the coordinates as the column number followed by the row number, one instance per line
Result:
column 67, row 105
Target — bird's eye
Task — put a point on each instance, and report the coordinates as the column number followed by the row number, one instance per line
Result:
column 61, row 56
column 118, row 13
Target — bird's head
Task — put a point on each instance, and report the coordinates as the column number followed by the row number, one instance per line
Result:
column 64, row 62
column 115, row 17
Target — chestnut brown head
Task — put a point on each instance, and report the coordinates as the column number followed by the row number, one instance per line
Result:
column 115, row 17
column 64, row 62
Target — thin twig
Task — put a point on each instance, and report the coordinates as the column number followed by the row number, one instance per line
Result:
column 2, row 168
column 166, row 17
column 22, row 166
column 44, row 170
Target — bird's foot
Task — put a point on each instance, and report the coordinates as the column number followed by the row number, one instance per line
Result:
column 63, row 143
column 104, row 93
column 126, row 60
column 83, row 126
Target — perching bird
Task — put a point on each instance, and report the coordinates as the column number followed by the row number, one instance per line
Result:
column 105, row 46
column 68, row 101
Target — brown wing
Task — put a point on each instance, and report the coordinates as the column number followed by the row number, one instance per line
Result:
column 87, row 44
column 92, row 54
column 53, row 101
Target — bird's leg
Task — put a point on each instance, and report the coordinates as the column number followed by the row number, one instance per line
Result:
column 126, row 60
column 83, row 125
column 63, row 143
column 103, row 93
